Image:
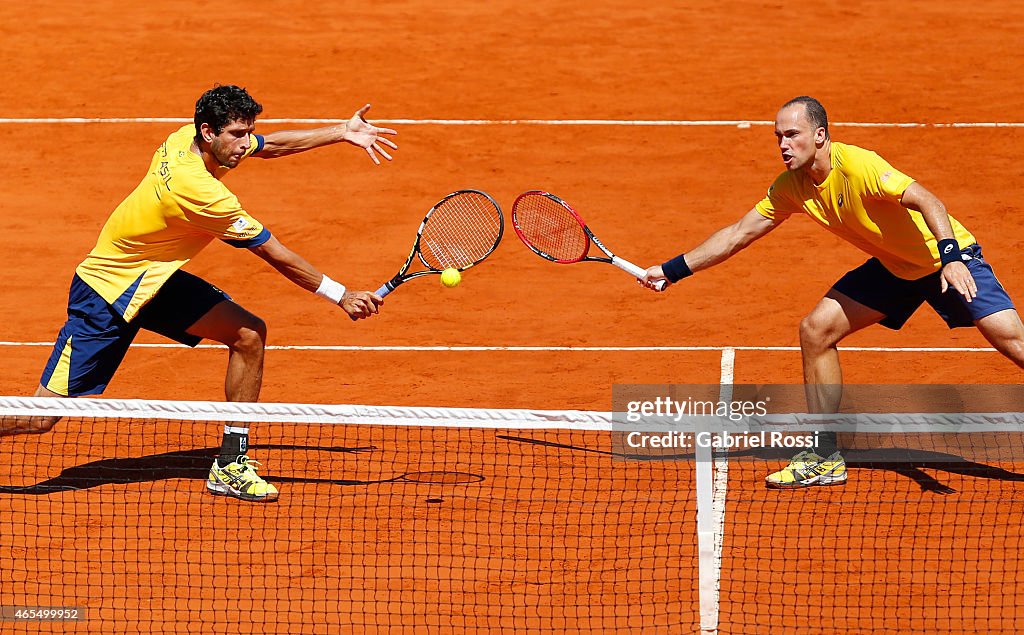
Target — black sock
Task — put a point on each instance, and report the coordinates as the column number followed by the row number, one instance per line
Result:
column 827, row 443
column 235, row 444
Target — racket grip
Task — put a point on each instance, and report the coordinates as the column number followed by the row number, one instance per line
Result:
column 636, row 271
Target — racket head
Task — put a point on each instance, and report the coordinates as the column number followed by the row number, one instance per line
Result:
column 459, row 231
column 550, row 227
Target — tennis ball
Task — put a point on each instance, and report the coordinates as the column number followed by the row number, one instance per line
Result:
column 451, row 278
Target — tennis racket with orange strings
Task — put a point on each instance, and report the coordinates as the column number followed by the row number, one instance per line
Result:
column 552, row 229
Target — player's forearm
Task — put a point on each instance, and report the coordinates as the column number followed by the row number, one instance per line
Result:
column 718, row 248
column 289, row 264
column 937, row 220
column 728, row 241
column 916, row 197
column 285, row 142
column 300, row 272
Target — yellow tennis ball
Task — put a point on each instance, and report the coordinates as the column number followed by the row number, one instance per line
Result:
column 451, row 277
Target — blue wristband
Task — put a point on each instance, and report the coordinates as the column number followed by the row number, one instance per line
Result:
column 676, row 269
column 949, row 251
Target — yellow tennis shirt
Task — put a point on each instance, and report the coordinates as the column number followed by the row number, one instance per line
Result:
column 859, row 201
column 178, row 209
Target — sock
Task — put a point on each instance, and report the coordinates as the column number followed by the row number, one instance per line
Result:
column 828, row 442
column 235, row 444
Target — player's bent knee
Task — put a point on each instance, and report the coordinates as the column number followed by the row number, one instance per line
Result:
column 815, row 332
column 252, row 337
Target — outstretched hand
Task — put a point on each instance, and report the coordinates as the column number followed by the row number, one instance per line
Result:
column 958, row 276
column 652, row 277
column 367, row 136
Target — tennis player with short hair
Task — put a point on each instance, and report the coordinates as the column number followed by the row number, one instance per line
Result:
column 919, row 254
column 132, row 279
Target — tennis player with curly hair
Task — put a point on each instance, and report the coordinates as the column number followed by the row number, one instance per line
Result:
column 133, row 278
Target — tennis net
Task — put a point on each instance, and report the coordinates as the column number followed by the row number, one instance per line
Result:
column 407, row 520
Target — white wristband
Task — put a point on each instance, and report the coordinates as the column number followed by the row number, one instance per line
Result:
column 331, row 290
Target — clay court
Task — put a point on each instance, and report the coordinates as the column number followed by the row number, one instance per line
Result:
column 635, row 114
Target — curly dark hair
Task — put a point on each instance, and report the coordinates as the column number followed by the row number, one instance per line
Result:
column 815, row 111
column 221, row 105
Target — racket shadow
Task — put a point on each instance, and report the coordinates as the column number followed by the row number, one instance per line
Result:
column 619, row 455
column 412, row 478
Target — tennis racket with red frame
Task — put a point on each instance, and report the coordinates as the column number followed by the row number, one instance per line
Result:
column 458, row 232
column 552, row 229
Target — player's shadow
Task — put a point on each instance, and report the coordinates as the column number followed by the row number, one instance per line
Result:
column 191, row 464
column 905, row 462
column 911, row 463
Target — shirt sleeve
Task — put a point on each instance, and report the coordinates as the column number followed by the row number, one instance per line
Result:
column 224, row 218
column 255, row 145
column 776, row 205
column 884, row 181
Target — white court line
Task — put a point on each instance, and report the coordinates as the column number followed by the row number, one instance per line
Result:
column 712, row 481
column 568, row 349
column 736, row 123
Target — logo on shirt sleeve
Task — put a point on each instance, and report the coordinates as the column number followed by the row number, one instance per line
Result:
column 240, row 224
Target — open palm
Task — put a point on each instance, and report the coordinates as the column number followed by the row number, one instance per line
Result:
column 362, row 133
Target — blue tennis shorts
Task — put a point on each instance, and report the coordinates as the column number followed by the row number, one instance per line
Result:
column 875, row 287
column 94, row 340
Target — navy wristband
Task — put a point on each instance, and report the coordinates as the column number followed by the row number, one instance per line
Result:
column 676, row 269
column 949, row 251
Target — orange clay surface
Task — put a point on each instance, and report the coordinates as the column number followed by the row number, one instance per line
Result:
column 553, row 538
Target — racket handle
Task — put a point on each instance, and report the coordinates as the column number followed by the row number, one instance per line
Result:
column 634, row 270
column 390, row 285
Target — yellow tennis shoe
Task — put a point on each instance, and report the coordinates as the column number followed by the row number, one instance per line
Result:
column 240, row 480
column 808, row 469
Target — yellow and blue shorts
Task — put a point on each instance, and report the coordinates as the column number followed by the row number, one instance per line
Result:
column 93, row 342
column 872, row 285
